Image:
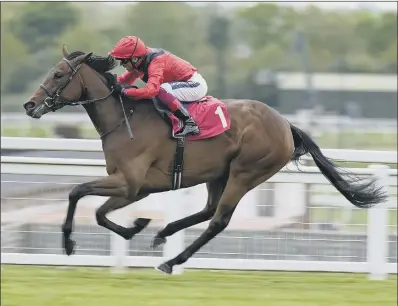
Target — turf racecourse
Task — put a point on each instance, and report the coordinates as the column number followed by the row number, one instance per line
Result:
column 51, row 286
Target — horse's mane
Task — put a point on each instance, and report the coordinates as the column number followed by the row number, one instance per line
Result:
column 100, row 64
column 103, row 65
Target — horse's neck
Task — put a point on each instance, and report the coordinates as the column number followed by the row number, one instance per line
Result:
column 105, row 114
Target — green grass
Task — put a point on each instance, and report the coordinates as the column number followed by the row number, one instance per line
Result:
column 360, row 141
column 14, row 131
column 49, row 286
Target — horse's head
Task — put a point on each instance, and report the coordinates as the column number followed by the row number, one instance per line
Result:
column 63, row 83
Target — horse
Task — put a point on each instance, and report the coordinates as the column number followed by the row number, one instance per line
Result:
column 256, row 145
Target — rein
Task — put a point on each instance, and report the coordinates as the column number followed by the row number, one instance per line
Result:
column 54, row 103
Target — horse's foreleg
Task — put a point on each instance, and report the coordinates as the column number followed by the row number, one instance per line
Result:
column 215, row 190
column 115, row 203
column 233, row 193
column 111, row 186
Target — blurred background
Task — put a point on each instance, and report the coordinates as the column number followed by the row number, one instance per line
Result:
column 329, row 68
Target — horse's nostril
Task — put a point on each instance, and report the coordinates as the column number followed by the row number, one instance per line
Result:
column 29, row 105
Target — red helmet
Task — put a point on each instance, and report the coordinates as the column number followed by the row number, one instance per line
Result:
column 127, row 47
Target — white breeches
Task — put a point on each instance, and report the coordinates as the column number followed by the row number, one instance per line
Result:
column 190, row 91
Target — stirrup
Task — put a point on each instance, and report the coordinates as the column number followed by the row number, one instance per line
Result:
column 189, row 129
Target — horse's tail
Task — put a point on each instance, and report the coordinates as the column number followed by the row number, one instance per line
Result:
column 360, row 192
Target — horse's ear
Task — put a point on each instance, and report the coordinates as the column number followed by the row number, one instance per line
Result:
column 65, row 51
column 82, row 58
column 87, row 56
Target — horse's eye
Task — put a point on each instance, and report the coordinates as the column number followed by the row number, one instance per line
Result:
column 57, row 75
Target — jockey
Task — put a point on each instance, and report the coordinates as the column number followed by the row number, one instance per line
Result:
column 168, row 78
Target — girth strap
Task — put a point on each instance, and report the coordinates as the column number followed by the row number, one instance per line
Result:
column 178, row 163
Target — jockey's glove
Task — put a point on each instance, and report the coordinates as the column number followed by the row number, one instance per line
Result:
column 118, row 89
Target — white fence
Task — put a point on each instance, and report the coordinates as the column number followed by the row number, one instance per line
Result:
column 290, row 189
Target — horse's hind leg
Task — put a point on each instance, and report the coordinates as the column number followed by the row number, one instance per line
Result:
column 239, row 183
column 215, row 190
column 115, row 203
column 235, row 189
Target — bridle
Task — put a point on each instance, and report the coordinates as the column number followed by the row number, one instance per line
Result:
column 53, row 101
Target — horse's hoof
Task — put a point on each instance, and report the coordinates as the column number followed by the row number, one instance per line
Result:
column 164, row 268
column 158, row 241
column 69, row 246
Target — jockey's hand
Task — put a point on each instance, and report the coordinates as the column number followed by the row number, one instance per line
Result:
column 118, row 89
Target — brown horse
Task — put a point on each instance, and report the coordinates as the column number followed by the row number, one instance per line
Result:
column 258, row 144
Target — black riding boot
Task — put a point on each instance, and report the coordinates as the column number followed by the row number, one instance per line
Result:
column 190, row 128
